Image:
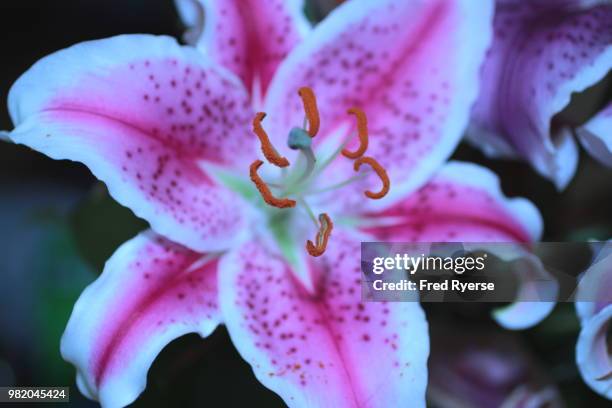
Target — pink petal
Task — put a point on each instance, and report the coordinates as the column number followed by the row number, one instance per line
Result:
column 151, row 292
column 145, row 115
column 542, row 52
column 462, row 202
column 249, row 37
column 592, row 353
column 411, row 66
column 328, row 349
column 596, row 136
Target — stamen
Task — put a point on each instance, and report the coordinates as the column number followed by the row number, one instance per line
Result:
column 336, row 186
column 266, row 146
column 362, row 128
column 380, row 171
column 310, row 164
column 329, row 160
column 322, row 238
column 265, row 191
column 310, row 107
column 4, row 136
column 308, row 210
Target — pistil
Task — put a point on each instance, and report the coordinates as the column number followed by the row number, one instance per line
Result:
column 302, row 141
column 362, row 131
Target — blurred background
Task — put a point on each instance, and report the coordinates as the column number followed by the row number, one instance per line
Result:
column 58, row 226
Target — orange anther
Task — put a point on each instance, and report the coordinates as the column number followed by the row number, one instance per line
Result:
column 265, row 191
column 325, row 229
column 380, row 171
column 362, row 127
column 266, row 146
column 310, row 107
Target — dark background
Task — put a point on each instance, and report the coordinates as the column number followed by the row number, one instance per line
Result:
column 58, row 226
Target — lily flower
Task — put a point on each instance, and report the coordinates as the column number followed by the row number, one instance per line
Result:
column 169, row 129
column 542, row 52
column 484, row 368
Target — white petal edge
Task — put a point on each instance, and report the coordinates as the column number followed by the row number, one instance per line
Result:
column 521, row 209
column 592, row 354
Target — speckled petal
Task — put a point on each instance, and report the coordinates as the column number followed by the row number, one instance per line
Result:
column 596, row 136
column 329, row 349
column 249, row 37
column 149, row 118
column 542, row 52
column 463, row 202
column 151, row 292
column 411, row 66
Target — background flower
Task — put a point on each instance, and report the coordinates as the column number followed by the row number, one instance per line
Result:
column 543, row 51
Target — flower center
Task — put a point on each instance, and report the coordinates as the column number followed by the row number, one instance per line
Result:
column 296, row 183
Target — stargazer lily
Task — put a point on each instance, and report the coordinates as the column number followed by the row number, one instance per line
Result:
column 169, row 129
column 542, row 52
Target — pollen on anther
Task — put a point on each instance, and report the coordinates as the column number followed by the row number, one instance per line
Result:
column 362, row 128
column 265, row 191
column 266, row 146
column 310, row 108
column 380, row 171
column 325, row 228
